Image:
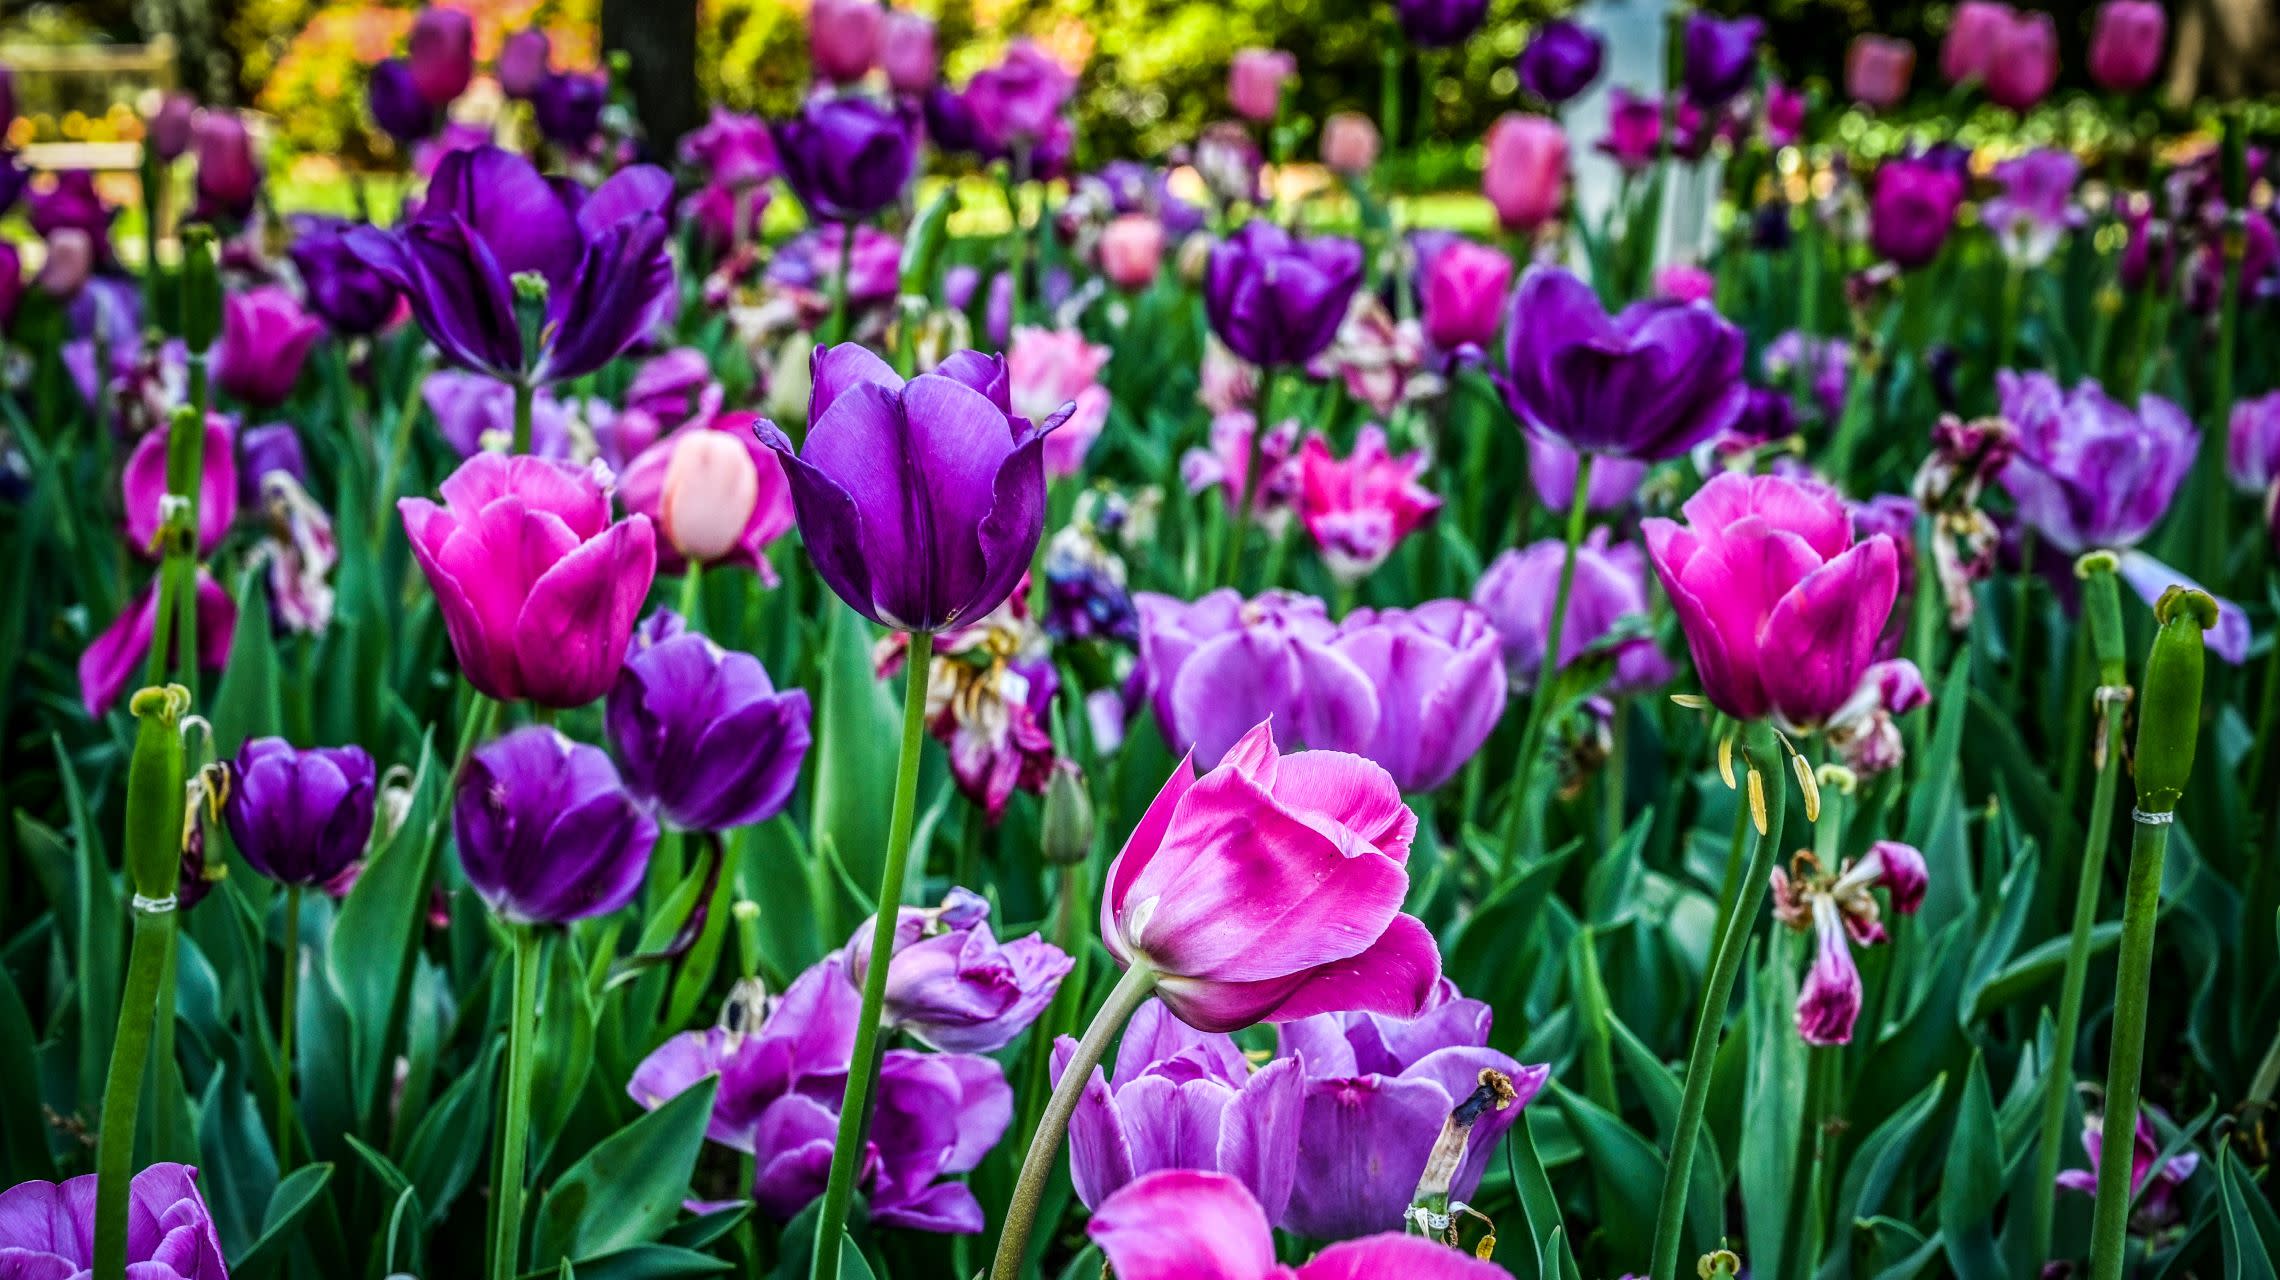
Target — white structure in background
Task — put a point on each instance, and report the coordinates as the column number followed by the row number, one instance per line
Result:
column 1636, row 33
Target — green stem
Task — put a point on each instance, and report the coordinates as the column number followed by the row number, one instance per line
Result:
column 2268, row 703
column 288, row 1010
column 855, row 1105
column 1731, row 887
column 2133, row 978
column 514, row 1144
column 2022, row 622
column 1547, row 671
column 524, row 395
column 122, row 1091
column 1827, row 1085
column 2058, row 1077
column 835, row 329
column 2221, row 402
column 692, row 594
column 1029, row 1190
column 1764, row 758
column 1239, row 525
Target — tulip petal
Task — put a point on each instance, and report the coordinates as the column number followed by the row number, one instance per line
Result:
column 1147, row 837
column 570, row 638
column 1406, row 1257
column 1821, row 637
column 517, row 214
column 2149, row 578
column 1258, row 1138
column 1176, row 1124
column 947, row 1208
column 624, row 197
column 1234, row 681
column 1184, row 1225
column 1395, row 976
column 837, row 370
column 1363, row 1143
column 831, row 525
column 1100, row 1155
column 1350, row 799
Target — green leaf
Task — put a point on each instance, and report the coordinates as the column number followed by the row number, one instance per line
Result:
column 626, row 1190
column 702, row 1230
column 369, row 954
column 238, row 1162
column 641, row 1262
column 1932, row 793
column 1632, row 1169
column 450, row 1143
column 2025, row 975
column 293, row 1198
column 1086, row 1265
column 1884, row 1154
column 2246, row 1221
column 1484, row 956
column 857, row 738
column 1539, row 1204
column 1774, row 1102
column 565, row 1048
column 247, row 704
column 1972, row 1182
column 96, row 935
column 23, row 1129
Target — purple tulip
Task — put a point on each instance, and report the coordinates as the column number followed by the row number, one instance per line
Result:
column 143, row 489
column 12, row 283
column 538, row 589
column 14, row 179
column 271, row 447
column 441, row 52
column 115, row 659
column 1648, row 383
column 846, row 157
column 702, row 733
column 1606, row 612
column 952, row 985
column 47, row 1229
column 2252, row 446
column 1439, row 684
column 229, row 176
column 1912, row 209
column 810, row 260
column 734, row 150
column 490, row 224
column 951, row 125
column 300, row 817
column 525, row 59
column 474, row 413
column 343, row 290
column 568, row 107
column 1016, row 102
column 397, row 106
column 2036, row 207
column 1561, row 60
column 545, row 832
column 1721, row 56
column 1615, row 480
column 7, row 96
column 1378, row 1089
column 1277, row 300
column 1183, row 1099
column 1782, row 609
column 2154, row 1196
column 1439, row 24
column 1828, row 359
column 266, row 338
column 780, row 1087
column 72, row 202
column 1222, row 664
column 921, row 502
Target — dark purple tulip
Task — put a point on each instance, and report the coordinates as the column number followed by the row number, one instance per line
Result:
column 340, row 287
column 171, row 125
column 441, row 52
column 951, row 126
column 1721, row 56
column 1439, row 24
column 525, row 58
column 546, row 833
column 14, row 179
column 47, row 1229
column 1561, row 60
column 261, row 450
column 921, row 502
column 1650, row 383
column 489, row 218
column 1018, row 99
column 1913, row 209
column 568, row 107
column 7, row 96
column 951, row 984
column 228, row 174
column 300, row 817
column 12, row 283
column 846, row 157
column 1276, row 300
column 72, row 202
column 702, row 732
column 397, row 106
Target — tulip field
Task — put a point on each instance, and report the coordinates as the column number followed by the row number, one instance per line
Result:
column 883, row 689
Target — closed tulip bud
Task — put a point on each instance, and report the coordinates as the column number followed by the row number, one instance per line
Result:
column 2169, row 719
column 1350, row 143
column 843, row 38
column 1255, row 82
column 524, row 60
column 201, row 290
column 154, row 792
column 300, row 817
column 266, row 338
column 2126, row 44
column 442, row 54
column 1877, row 70
column 1561, row 60
column 1132, row 251
column 228, row 175
column 1464, row 291
column 397, row 106
column 704, row 735
column 170, row 126
column 1525, row 174
column 907, row 52
column 2024, row 62
column 1065, row 833
column 2102, row 609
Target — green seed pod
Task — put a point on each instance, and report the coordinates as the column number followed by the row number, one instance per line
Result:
column 201, row 290
column 1065, row 834
column 2102, row 609
column 2169, row 721
column 154, row 791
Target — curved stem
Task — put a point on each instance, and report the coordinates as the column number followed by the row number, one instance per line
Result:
column 855, row 1103
column 2110, row 1223
column 1764, row 757
column 514, row 1144
column 288, row 1012
column 1021, row 1212
column 122, row 1091
column 1540, row 702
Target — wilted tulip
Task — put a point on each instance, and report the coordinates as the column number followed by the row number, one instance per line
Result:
column 1181, row 1224
column 1561, row 60
column 951, row 984
column 537, row 587
column 2126, row 42
column 1877, row 69
column 1277, row 300
column 1606, row 611
column 442, row 54
column 843, row 38
column 545, row 832
column 143, row 487
column 525, row 58
column 300, row 817
column 1255, row 82
column 846, row 157
column 702, row 733
column 1525, row 174
column 266, row 338
column 115, row 659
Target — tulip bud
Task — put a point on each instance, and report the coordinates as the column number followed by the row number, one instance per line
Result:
column 907, row 52
column 711, row 487
column 524, row 60
column 1349, row 143
column 1255, row 82
column 169, row 134
column 154, row 792
column 1065, row 833
column 2126, row 44
column 228, row 175
column 1721, row 1262
column 442, row 54
column 843, row 38
column 201, row 290
column 1132, row 250
column 1525, row 171
column 530, row 309
column 2169, row 726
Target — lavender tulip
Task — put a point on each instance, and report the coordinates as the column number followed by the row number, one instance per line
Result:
column 47, row 1229
column 525, row 58
column 1615, row 480
column 921, row 502
column 2252, row 446
column 545, row 832
column 1277, row 300
column 702, row 733
column 1721, row 56
column 491, row 229
column 2036, row 207
column 1912, row 209
column 1606, row 613
column 1437, row 675
column 2154, row 1195
column 1016, row 102
column 1183, row 1099
column 1561, row 60
column 397, row 106
column 951, row 984
column 1648, row 383
column 568, row 108
column 846, row 157
column 1378, row 1089
column 1829, row 361
column 1222, row 664
column 340, row 287
column 266, row 338
column 300, row 817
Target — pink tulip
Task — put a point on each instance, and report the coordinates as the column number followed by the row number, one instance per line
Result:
column 171, row 125
column 537, row 587
column 1526, row 170
column 1684, row 282
column 1050, row 368
column 1186, row 1224
column 1877, row 69
column 70, row 261
column 143, row 487
column 1350, row 143
column 1781, row 607
column 117, row 657
column 1255, row 82
column 1465, row 286
column 266, row 338
column 229, row 175
column 843, row 38
column 442, row 54
column 2024, row 64
column 907, row 52
column 1132, row 251
column 2126, row 43
column 1271, row 888
column 715, row 492
column 1359, row 508
column 525, row 59
column 1971, row 35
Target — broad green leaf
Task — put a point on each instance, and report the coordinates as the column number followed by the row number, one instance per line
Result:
column 565, row 1043
column 1973, row 1182
column 293, row 1198
column 23, row 1129
column 626, row 1190
column 2044, row 963
column 1632, row 1170
column 247, row 704
column 237, row 1170
column 451, row 1143
column 369, row 958
column 856, row 742
column 1773, row 1199
column 2246, row 1221
column 1884, row 1154
column 641, row 1262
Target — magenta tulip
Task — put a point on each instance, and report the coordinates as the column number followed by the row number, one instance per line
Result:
column 1525, row 174
column 1464, row 289
column 2126, row 43
column 1185, row 1224
column 442, row 54
column 907, row 52
column 266, row 337
column 843, row 38
column 144, row 487
column 2023, row 64
column 1255, row 82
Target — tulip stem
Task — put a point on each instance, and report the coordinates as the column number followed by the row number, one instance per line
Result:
column 855, row 1103
column 2141, row 905
column 2058, row 1076
column 514, row 1143
column 288, row 1012
column 524, row 395
column 1763, row 755
column 1130, row 991
column 122, row 1090
column 1547, row 672
column 836, row 329
column 692, row 594
column 1239, row 525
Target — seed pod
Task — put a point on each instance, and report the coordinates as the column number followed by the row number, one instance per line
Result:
column 2102, row 609
column 154, row 792
column 2169, row 721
